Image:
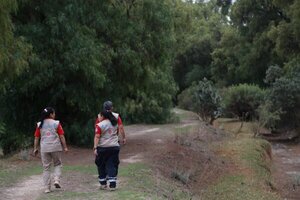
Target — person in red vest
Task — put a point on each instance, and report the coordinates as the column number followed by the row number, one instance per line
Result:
column 52, row 143
column 107, row 147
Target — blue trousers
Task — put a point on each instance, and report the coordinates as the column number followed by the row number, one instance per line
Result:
column 107, row 162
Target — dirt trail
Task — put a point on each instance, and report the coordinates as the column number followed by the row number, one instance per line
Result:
column 142, row 140
column 146, row 143
column 26, row 190
column 286, row 159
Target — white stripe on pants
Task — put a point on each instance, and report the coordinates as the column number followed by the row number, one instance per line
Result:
column 47, row 158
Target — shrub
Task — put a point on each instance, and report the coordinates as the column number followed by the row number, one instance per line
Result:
column 185, row 99
column 183, row 175
column 285, row 95
column 267, row 117
column 202, row 98
column 242, row 100
column 273, row 72
column 80, row 134
column 11, row 141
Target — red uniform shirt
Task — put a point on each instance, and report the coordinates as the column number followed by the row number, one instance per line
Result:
column 98, row 129
column 59, row 130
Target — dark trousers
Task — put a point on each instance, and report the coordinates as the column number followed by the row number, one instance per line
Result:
column 107, row 162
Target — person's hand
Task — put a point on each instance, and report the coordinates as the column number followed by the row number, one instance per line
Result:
column 95, row 152
column 124, row 141
column 66, row 150
column 35, row 152
column 100, row 118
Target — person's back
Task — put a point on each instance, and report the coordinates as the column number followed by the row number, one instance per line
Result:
column 50, row 141
column 51, row 135
column 107, row 147
column 109, row 136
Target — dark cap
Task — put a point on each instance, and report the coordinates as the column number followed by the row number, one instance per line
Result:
column 107, row 105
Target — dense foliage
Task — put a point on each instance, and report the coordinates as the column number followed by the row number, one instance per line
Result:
column 243, row 100
column 75, row 54
column 13, row 50
column 257, row 43
column 284, row 95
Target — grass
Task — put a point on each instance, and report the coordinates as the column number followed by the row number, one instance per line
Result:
column 140, row 177
column 136, row 182
column 85, row 169
column 252, row 178
column 185, row 135
column 183, row 114
column 66, row 195
column 237, row 187
column 12, row 172
column 252, row 154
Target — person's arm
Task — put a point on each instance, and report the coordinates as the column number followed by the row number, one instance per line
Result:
column 121, row 130
column 63, row 142
column 62, row 138
column 35, row 148
column 37, row 135
column 96, row 141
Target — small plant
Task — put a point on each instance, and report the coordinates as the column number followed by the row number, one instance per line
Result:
column 267, row 118
column 182, row 175
column 297, row 180
column 183, row 137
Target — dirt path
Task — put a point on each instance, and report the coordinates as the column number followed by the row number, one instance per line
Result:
column 143, row 141
column 154, row 144
column 26, row 190
column 286, row 159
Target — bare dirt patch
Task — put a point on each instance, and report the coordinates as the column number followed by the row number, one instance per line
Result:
column 26, row 190
column 287, row 170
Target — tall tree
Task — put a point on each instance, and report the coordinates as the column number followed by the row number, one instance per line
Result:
column 252, row 53
column 13, row 50
column 89, row 52
column 197, row 29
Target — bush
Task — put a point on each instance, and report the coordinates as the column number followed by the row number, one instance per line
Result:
column 242, row 100
column 285, row 95
column 80, row 134
column 185, row 99
column 202, row 98
column 11, row 141
column 268, row 117
column 273, row 73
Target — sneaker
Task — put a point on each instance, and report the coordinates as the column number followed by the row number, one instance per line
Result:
column 56, row 184
column 103, row 187
column 47, row 191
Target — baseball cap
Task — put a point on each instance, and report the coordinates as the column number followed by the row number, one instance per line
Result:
column 107, row 105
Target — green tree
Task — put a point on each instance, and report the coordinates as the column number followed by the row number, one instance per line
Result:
column 197, row 31
column 13, row 50
column 242, row 100
column 88, row 53
column 284, row 95
column 273, row 73
column 286, row 33
column 246, row 45
column 202, row 98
